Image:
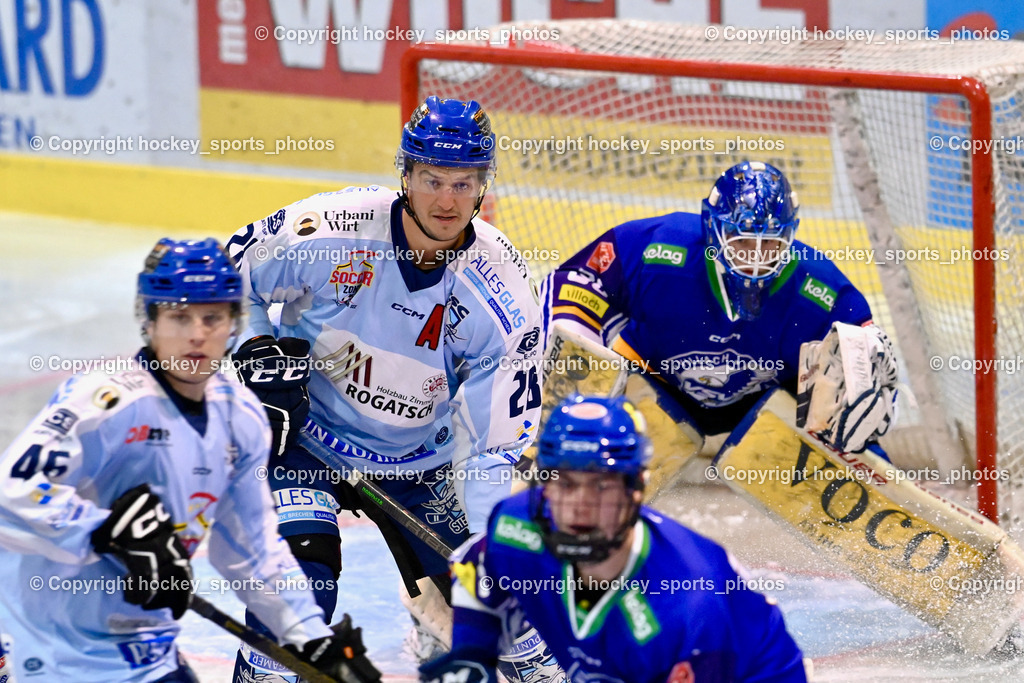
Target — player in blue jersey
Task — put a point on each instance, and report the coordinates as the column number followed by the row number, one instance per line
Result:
column 718, row 305
column 620, row 593
column 131, row 470
column 410, row 306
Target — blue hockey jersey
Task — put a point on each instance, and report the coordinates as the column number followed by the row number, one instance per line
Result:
column 412, row 368
column 651, row 282
column 101, row 435
column 679, row 608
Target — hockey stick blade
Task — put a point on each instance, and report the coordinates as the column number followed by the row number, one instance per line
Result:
column 371, row 492
column 265, row 645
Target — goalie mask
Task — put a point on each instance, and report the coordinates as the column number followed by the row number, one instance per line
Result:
column 749, row 219
column 178, row 273
column 589, row 435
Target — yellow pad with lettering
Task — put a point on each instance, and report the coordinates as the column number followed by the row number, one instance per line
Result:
column 576, row 365
column 945, row 564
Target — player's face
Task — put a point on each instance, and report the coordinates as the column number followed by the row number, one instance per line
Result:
column 443, row 200
column 189, row 342
column 584, row 502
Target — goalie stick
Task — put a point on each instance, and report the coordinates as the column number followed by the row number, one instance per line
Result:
column 369, row 490
column 309, row 673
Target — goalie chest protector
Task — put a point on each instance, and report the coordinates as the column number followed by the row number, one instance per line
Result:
column 656, row 273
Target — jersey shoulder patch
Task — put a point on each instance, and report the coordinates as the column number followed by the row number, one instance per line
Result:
column 100, row 391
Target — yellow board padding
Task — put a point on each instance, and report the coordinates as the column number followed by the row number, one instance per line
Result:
column 920, row 551
column 207, row 202
column 312, row 132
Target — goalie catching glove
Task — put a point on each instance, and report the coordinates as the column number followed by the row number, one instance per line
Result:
column 141, row 534
column 277, row 371
column 847, row 386
column 342, row 655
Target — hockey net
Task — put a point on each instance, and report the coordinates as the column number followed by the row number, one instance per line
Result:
column 603, row 121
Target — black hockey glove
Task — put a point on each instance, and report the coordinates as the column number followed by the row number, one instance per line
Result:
column 342, row 655
column 277, row 371
column 141, row 534
column 450, row 667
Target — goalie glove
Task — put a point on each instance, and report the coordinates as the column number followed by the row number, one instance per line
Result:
column 342, row 655
column 277, row 371
column 141, row 534
column 847, row 386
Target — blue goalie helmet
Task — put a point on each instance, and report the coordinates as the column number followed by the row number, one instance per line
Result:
column 187, row 272
column 750, row 219
column 595, row 434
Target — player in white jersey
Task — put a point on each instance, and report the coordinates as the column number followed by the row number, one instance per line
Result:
column 419, row 316
column 132, row 470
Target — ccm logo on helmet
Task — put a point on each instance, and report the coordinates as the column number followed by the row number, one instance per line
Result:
column 199, row 278
column 448, row 145
column 585, row 446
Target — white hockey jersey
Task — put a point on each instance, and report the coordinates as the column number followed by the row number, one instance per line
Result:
column 100, row 436
column 412, row 368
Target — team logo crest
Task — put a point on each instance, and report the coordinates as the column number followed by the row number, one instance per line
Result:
column 720, row 378
column 348, row 277
column 456, row 314
column 444, row 508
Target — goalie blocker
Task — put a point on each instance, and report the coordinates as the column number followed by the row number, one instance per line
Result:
column 574, row 364
column 943, row 563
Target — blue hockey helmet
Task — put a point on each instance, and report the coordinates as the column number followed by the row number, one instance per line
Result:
column 750, row 219
column 187, row 272
column 595, row 434
column 591, row 434
column 448, row 133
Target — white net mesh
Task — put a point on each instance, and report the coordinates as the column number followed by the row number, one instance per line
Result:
column 876, row 170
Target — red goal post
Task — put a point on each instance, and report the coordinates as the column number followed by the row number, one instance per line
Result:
column 831, row 105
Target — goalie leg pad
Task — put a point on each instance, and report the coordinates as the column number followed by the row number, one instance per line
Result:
column 922, row 552
column 576, row 364
column 430, row 609
column 675, row 437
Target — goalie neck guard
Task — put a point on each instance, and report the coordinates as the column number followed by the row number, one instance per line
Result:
column 591, row 434
column 749, row 218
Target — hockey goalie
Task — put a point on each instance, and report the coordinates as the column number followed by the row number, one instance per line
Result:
column 728, row 325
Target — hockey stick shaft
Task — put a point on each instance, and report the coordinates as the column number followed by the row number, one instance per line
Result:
column 371, row 492
column 260, row 642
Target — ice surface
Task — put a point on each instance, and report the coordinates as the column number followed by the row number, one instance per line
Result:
column 68, row 290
